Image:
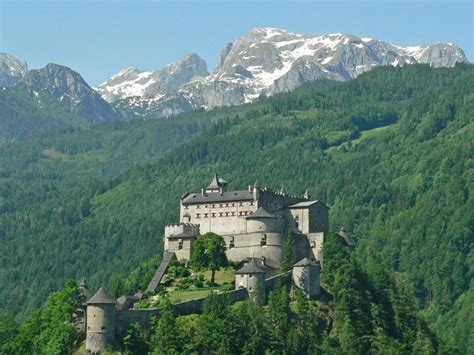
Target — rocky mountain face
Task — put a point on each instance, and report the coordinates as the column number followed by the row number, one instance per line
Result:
column 11, row 70
column 132, row 82
column 264, row 62
column 72, row 92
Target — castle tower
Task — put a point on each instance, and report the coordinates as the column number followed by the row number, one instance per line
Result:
column 306, row 276
column 252, row 277
column 100, row 322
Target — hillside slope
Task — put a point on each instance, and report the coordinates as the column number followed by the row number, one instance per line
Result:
column 405, row 191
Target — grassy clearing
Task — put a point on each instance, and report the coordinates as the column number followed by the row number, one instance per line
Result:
column 363, row 135
column 52, row 153
column 187, row 295
column 222, row 276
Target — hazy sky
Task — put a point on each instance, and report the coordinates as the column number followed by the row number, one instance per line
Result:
column 98, row 38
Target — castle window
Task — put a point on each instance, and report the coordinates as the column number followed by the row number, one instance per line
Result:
column 213, row 206
column 241, row 204
column 102, row 327
column 227, row 214
column 313, row 244
column 198, row 215
column 186, row 207
column 233, row 213
column 213, row 214
column 251, row 203
column 206, row 214
column 220, row 205
column 197, row 206
column 231, row 243
column 227, row 205
column 233, row 205
column 263, row 241
column 180, row 244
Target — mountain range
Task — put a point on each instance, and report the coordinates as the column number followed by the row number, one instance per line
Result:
column 264, row 62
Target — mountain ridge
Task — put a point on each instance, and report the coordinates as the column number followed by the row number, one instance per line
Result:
column 267, row 61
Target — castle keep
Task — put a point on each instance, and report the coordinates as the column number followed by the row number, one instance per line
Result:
column 254, row 222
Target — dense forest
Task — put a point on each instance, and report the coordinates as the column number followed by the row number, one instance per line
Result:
column 365, row 310
column 390, row 152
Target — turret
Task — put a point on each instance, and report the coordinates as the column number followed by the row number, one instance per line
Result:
column 100, row 322
column 217, row 184
column 256, row 189
column 306, row 195
column 306, row 276
column 252, row 277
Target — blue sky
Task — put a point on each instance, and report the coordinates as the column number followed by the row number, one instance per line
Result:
column 98, row 38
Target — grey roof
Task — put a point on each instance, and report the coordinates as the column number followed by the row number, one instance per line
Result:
column 101, row 297
column 266, row 263
column 260, row 213
column 168, row 256
column 303, row 204
column 226, row 196
column 306, row 262
column 343, row 234
column 124, row 298
column 252, row 267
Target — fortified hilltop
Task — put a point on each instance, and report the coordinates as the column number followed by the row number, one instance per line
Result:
column 255, row 224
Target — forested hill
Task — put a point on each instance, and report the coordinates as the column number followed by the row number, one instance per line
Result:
column 390, row 152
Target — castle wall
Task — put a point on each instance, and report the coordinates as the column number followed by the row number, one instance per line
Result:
column 316, row 241
column 319, row 218
column 268, row 245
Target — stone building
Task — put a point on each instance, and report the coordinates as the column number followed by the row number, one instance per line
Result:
column 101, row 321
column 306, row 277
column 253, row 222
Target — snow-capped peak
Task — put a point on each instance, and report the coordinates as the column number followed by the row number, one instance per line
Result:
column 271, row 60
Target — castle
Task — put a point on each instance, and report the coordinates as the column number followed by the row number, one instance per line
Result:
column 255, row 224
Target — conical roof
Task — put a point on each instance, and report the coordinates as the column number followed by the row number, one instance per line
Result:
column 260, row 213
column 214, row 183
column 101, row 297
column 306, row 262
column 252, row 267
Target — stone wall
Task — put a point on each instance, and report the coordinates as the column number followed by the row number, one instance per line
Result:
column 144, row 316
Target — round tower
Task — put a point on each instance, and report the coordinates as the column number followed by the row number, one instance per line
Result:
column 100, row 322
column 262, row 221
column 252, row 277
